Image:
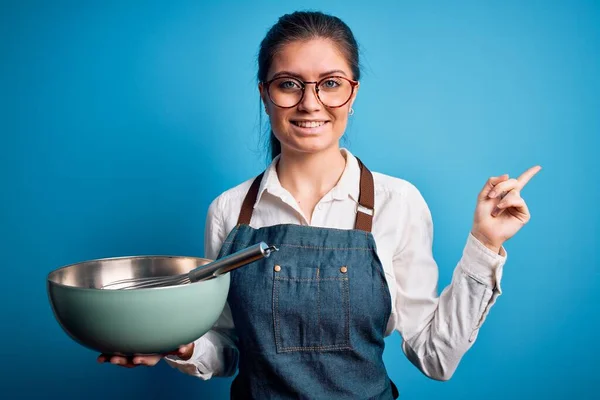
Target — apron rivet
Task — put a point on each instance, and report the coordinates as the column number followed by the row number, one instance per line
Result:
column 343, row 270
column 277, row 268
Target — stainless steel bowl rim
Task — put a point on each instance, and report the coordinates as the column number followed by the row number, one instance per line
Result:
column 50, row 281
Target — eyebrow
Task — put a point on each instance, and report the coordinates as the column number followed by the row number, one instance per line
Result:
column 289, row 73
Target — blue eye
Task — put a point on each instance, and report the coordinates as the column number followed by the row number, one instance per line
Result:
column 289, row 84
column 330, row 84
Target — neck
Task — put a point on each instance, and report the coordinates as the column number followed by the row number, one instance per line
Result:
column 310, row 175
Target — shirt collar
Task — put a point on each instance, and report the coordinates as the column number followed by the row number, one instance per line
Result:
column 347, row 186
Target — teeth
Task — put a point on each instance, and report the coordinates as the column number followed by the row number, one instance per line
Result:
column 311, row 124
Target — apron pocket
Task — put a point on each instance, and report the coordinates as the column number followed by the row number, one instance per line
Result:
column 311, row 309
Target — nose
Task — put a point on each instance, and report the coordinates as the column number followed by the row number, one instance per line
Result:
column 310, row 102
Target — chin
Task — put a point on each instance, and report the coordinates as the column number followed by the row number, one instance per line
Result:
column 311, row 146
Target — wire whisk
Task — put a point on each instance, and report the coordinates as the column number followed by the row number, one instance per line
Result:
column 203, row 272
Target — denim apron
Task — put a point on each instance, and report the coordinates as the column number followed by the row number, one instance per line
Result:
column 311, row 318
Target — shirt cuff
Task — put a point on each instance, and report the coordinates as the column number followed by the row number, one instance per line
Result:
column 482, row 264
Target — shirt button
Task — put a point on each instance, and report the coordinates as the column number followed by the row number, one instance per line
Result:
column 343, row 270
column 277, row 268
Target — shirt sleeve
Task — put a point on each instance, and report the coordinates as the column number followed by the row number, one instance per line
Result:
column 438, row 330
column 215, row 353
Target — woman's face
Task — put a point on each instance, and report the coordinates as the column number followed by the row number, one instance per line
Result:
column 308, row 127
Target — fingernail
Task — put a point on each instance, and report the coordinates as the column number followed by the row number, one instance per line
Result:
column 492, row 194
column 137, row 361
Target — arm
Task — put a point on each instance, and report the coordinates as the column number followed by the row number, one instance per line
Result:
column 215, row 353
column 438, row 331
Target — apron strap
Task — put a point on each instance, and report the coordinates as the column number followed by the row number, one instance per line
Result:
column 366, row 200
column 249, row 200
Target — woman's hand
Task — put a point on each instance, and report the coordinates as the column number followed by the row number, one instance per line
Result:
column 500, row 210
column 184, row 352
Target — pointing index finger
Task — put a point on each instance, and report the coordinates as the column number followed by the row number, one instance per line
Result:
column 527, row 175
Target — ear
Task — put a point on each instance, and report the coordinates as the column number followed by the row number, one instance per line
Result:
column 351, row 102
column 263, row 96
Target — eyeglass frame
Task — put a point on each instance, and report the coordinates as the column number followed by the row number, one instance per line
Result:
column 352, row 82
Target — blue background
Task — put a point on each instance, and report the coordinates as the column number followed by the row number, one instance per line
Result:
column 121, row 122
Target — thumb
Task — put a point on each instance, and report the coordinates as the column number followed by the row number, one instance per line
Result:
column 184, row 352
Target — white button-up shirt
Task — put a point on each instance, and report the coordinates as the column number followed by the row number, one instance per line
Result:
column 437, row 329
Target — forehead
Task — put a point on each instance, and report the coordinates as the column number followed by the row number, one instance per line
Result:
column 310, row 59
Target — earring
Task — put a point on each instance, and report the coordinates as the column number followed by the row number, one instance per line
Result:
column 351, row 111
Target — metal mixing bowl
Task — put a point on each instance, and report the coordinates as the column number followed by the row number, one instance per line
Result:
column 141, row 321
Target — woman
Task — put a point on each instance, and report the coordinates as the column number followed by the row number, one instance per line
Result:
column 355, row 260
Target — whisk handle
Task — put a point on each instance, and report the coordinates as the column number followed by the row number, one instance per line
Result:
column 232, row 261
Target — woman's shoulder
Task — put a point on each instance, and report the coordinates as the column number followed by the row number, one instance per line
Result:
column 399, row 199
column 232, row 197
column 395, row 188
column 387, row 186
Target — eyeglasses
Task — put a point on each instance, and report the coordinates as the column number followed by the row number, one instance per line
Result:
column 332, row 91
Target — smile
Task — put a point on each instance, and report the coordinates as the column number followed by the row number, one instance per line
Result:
column 309, row 124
